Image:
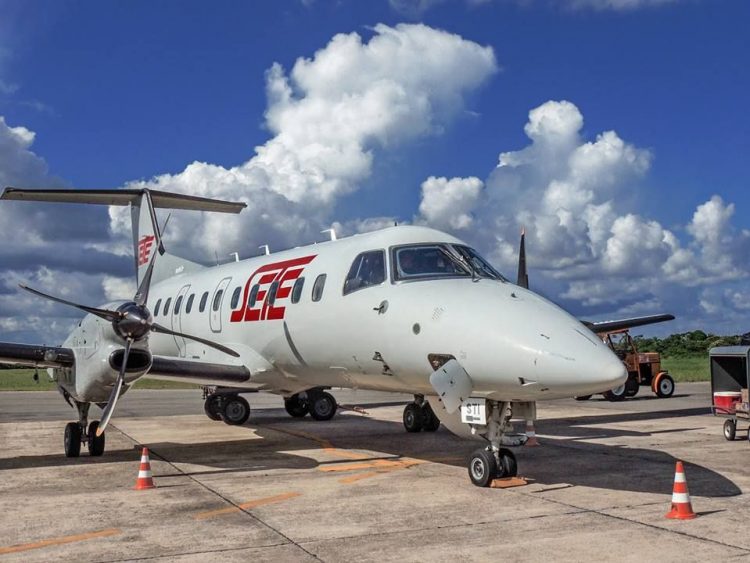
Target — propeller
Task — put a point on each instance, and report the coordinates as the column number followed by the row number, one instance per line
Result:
column 131, row 321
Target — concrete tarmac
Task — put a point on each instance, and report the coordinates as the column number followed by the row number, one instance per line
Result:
column 360, row 488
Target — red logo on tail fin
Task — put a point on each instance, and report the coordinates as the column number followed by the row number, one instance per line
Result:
column 144, row 249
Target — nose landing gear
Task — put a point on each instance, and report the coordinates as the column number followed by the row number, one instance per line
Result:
column 494, row 461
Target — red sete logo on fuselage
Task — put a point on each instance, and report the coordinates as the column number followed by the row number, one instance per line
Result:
column 285, row 273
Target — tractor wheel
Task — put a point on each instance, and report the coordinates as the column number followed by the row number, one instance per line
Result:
column 664, row 385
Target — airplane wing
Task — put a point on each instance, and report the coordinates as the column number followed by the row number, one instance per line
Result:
column 202, row 373
column 36, row 356
column 604, row 327
column 163, row 367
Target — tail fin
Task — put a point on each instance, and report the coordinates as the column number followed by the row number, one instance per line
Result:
column 146, row 233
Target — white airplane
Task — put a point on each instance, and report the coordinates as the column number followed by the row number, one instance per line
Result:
column 404, row 309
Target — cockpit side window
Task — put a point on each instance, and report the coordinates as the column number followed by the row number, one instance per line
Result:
column 368, row 269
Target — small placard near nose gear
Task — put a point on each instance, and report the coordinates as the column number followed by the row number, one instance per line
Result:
column 452, row 383
column 474, row 411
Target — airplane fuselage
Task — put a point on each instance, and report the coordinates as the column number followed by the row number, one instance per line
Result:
column 514, row 344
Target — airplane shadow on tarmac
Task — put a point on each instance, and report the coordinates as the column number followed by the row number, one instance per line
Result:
column 565, row 457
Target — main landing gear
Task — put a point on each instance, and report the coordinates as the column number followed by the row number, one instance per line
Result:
column 320, row 404
column 418, row 416
column 83, row 432
column 494, row 461
column 227, row 405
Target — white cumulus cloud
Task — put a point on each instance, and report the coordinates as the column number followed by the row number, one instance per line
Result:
column 328, row 117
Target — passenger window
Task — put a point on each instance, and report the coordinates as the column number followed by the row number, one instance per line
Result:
column 318, row 286
column 189, row 304
column 272, row 292
column 166, row 306
column 217, row 300
column 156, row 309
column 202, row 304
column 253, row 297
column 177, row 305
column 368, row 269
column 297, row 290
column 235, row 298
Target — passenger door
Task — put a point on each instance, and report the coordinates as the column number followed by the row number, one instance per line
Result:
column 216, row 301
column 176, row 318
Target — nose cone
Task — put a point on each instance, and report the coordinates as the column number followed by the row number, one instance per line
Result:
column 571, row 359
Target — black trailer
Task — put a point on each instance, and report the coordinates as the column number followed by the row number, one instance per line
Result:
column 729, row 386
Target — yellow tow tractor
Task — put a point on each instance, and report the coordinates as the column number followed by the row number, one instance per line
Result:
column 644, row 369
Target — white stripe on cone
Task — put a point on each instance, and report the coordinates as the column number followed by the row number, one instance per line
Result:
column 679, row 478
column 680, row 498
column 144, row 459
column 144, row 474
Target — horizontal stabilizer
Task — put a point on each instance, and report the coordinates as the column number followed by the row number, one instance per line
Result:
column 159, row 199
column 603, row 327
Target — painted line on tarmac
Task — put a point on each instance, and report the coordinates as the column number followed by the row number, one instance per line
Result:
column 358, row 477
column 380, row 466
column 246, row 505
column 59, row 541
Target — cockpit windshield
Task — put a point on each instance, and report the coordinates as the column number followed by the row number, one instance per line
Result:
column 423, row 261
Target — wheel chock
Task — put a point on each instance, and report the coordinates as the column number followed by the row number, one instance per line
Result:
column 509, row 482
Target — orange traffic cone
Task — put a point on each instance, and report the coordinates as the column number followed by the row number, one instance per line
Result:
column 145, row 480
column 682, row 509
column 531, row 434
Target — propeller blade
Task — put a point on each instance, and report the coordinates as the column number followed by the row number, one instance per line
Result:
column 115, row 394
column 523, row 275
column 102, row 313
column 164, row 330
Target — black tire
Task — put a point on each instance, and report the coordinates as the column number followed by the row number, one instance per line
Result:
column 482, row 467
column 615, row 395
column 95, row 443
column 296, row 407
column 583, row 398
column 665, row 386
column 322, row 405
column 430, row 421
column 236, row 410
column 213, row 407
column 632, row 386
column 730, row 429
column 72, row 439
column 508, row 464
column 748, row 434
column 413, row 418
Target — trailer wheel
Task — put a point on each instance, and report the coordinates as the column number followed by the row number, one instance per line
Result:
column 664, row 385
column 730, row 429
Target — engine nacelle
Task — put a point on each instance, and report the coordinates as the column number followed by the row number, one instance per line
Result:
column 98, row 358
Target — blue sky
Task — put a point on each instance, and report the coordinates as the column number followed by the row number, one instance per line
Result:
column 117, row 92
